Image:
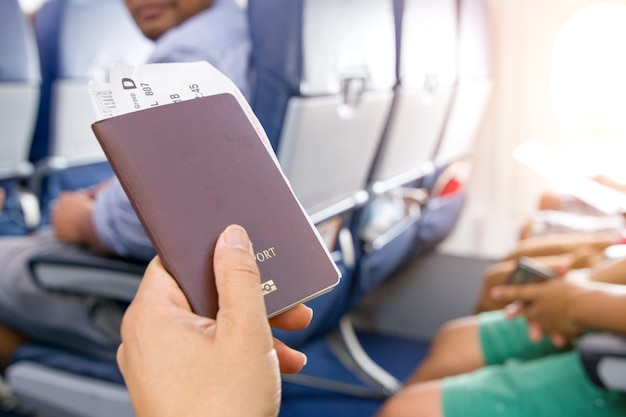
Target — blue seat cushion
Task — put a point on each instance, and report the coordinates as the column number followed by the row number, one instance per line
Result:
column 398, row 355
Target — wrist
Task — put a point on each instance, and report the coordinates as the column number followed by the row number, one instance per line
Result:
column 599, row 305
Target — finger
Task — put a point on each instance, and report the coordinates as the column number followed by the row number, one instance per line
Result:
column 291, row 360
column 120, row 354
column 558, row 340
column 510, row 293
column 514, row 309
column 297, row 318
column 535, row 332
column 158, row 286
column 238, row 281
column 561, row 269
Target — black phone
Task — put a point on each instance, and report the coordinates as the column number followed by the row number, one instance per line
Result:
column 530, row 270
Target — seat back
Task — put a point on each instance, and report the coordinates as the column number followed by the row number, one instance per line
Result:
column 84, row 47
column 324, row 78
column 427, row 66
column 474, row 82
column 87, row 48
column 417, row 180
column 603, row 356
column 19, row 89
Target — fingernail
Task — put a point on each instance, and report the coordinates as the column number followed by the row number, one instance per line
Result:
column 305, row 359
column 236, row 237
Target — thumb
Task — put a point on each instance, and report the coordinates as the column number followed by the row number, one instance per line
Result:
column 238, row 280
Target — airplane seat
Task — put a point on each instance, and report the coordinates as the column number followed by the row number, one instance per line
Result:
column 56, row 382
column 65, row 384
column 427, row 74
column 406, row 215
column 78, row 46
column 459, row 103
column 20, row 79
column 604, row 358
column 324, row 74
column 416, row 200
column 414, row 204
column 323, row 82
column 423, row 213
column 417, row 180
column 474, row 83
column 453, row 154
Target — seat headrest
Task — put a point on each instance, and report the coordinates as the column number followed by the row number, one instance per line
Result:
column 18, row 52
column 475, row 34
column 428, row 42
column 314, row 47
column 89, row 44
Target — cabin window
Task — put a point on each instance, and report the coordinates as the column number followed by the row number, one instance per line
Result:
column 30, row 6
column 589, row 82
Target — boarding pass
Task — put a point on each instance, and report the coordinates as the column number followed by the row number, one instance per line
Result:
column 139, row 87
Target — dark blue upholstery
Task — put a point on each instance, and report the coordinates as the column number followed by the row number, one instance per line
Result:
column 398, row 355
column 46, row 24
column 277, row 60
column 12, row 222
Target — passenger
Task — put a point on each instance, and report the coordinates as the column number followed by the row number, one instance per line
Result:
column 561, row 251
column 519, row 361
column 560, row 235
column 227, row 366
column 102, row 219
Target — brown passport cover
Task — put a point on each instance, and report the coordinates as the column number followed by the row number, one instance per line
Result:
column 194, row 167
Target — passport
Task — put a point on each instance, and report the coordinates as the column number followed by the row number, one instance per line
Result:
column 194, row 167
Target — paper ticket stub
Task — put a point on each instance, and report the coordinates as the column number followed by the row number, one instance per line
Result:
column 102, row 100
column 139, row 87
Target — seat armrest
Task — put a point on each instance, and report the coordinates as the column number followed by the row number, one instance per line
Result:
column 58, row 393
column 604, row 357
column 89, row 274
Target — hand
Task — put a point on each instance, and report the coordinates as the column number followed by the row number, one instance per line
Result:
column 176, row 363
column 71, row 215
column 547, row 306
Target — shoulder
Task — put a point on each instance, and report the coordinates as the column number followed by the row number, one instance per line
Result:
column 208, row 36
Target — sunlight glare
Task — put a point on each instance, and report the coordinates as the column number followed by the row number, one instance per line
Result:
column 588, row 71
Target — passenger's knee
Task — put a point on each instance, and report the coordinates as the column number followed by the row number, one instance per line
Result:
column 418, row 400
column 453, row 334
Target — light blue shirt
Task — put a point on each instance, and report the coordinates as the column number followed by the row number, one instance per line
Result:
column 218, row 35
